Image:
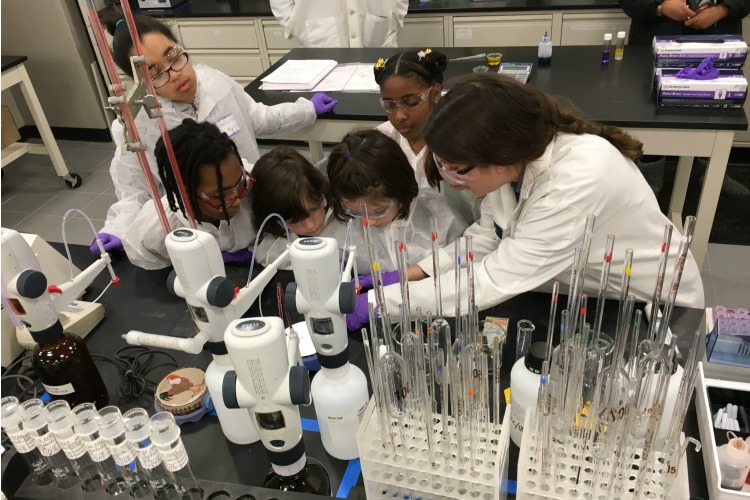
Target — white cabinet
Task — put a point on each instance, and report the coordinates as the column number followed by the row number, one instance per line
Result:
column 589, row 29
column 233, row 63
column 275, row 55
column 224, row 34
column 274, row 35
column 421, row 32
column 500, row 31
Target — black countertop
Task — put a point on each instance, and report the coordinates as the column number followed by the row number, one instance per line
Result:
column 618, row 93
column 8, row 62
column 255, row 8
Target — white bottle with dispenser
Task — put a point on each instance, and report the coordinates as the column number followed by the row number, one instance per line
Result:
column 734, row 463
column 544, row 54
column 524, row 388
column 236, row 423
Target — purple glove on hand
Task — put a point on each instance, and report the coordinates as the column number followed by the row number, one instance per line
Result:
column 109, row 241
column 322, row 103
column 361, row 315
column 389, row 278
column 243, row 256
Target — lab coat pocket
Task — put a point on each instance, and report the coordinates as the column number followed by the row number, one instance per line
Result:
column 320, row 32
column 379, row 31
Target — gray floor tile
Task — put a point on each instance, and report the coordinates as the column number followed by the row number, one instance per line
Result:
column 40, row 224
column 97, row 209
column 88, row 159
column 729, row 258
column 110, row 190
column 95, row 182
column 10, row 219
column 35, row 178
column 29, row 200
column 732, row 288
column 65, row 201
column 8, row 190
column 709, row 292
column 72, row 144
column 77, row 231
column 103, row 146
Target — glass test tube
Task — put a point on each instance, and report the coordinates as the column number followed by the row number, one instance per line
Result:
column 10, row 420
column 85, row 416
column 35, row 423
column 138, row 433
column 524, row 331
column 60, row 424
column 112, row 432
column 165, row 434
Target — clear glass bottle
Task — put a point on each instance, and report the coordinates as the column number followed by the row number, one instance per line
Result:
column 10, row 420
column 165, row 434
column 311, row 478
column 606, row 47
column 60, row 423
column 150, row 462
column 620, row 47
column 544, row 54
column 85, row 426
column 66, row 369
column 35, row 423
column 112, row 431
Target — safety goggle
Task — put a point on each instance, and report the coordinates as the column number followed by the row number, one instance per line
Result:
column 231, row 195
column 450, row 173
column 409, row 102
column 176, row 63
column 372, row 214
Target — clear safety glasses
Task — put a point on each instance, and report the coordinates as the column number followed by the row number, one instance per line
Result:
column 177, row 58
column 372, row 214
column 313, row 211
column 452, row 173
column 231, row 195
column 409, row 102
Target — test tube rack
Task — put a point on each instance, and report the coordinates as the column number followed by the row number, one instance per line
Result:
column 406, row 470
column 570, row 479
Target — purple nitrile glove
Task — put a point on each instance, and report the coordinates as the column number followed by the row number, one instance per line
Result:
column 322, row 103
column 110, row 242
column 361, row 315
column 242, row 256
column 389, row 278
column 704, row 71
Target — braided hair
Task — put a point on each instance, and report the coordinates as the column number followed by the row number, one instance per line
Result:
column 196, row 145
column 426, row 65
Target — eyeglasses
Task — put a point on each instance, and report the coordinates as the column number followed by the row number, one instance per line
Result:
column 311, row 212
column 230, row 195
column 409, row 102
column 176, row 64
column 441, row 165
column 374, row 214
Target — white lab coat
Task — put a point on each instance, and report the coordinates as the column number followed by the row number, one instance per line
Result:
column 219, row 100
column 462, row 202
column 576, row 175
column 418, row 233
column 341, row 23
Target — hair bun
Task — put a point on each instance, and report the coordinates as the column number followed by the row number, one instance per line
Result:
column 436, row 62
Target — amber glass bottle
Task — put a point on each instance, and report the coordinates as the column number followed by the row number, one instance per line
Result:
column 66, row 369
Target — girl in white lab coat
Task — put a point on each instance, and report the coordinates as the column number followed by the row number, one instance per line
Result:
column 368, row 167
column 286, row 183
column 541, row 170
column 185, row 91
column 217, row 183
column 410, row 84
column 341, row 23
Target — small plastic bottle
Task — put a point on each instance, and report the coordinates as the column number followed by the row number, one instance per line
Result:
column 544, row 54
column 620, row 47
column 734, row 463
column 524, row 388
column 606, row 47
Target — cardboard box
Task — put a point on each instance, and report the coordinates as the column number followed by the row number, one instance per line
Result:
column 678, row 51
column 9, row 130
column 725, row 92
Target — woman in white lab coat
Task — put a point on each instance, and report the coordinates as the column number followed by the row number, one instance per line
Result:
column 186, row 91
column 541, row 170
column 368, row 167
column 341, row 23
column 217, row 183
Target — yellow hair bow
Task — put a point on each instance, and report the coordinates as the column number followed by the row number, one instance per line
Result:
column 379, row 65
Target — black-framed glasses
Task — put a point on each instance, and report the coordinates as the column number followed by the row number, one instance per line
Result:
column 409, row 102
column 175, row 64
column 461, row 171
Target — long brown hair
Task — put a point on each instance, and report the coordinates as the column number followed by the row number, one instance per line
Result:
column 495, row 120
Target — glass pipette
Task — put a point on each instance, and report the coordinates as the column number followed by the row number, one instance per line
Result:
column 603, row 283
column 624, row 285
column 436, row 267
column 656, row 299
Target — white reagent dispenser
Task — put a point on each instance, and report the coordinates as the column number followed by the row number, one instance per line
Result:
column 213, row 302
column 339, row 389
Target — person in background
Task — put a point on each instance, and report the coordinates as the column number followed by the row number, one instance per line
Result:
column 368, row 167
column 286, row 183
column 541, row 169
column 650, row 18
column 217, row 183
column 341, row 23
column 185, row 91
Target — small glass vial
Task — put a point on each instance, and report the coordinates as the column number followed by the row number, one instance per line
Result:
column 544, row 54
column 112, row 432
column 10, row 420
column 620, row 47
column 60, row 423
column 138, row 433
column 606, row 47
column 35, row 423
column 165, row 434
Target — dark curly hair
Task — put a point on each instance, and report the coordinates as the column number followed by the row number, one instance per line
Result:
column 425, row 66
